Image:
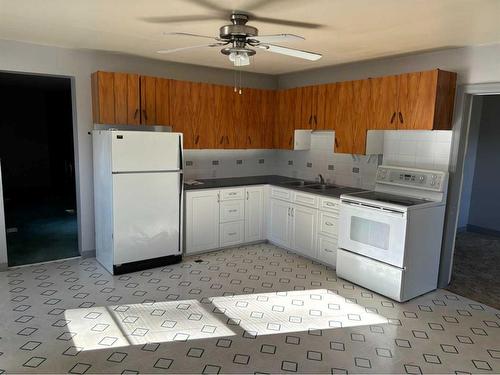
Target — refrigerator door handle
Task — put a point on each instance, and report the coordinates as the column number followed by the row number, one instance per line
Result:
column 181, row 156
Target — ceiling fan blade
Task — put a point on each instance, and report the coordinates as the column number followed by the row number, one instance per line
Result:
column 190, row 34
column 276, row 21
column 278, row 38
column 165, row 51
column 291, row 52
column 176, row 19
column 257, row 4
column 209, row 5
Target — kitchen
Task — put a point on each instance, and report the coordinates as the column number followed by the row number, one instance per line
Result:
column 346, row 124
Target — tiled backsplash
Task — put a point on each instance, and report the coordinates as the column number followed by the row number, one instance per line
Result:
column 341, row 169
column 420, row 149
column 228, row 163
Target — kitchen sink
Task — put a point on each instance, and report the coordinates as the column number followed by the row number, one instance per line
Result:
column 322, row 187
column 298, row 183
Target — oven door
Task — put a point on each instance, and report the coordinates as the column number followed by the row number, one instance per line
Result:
column 372, row 231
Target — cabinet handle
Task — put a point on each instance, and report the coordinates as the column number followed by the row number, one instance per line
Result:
column 292, row 211
column 328, row 250
column 233, row 210
column 249, row 140
column 330, row 224
column 197, row 139
column 136, row 113
column 393, row 116
column 145, row 114
column 218, row 197
column 310, row 119
column 289, row 211
column 315, row 120
column 336, row 142
column 401, row 117
column 232, row 194
column 231, row 234
column 221, row 139
column 330, row 204
column 248, row 195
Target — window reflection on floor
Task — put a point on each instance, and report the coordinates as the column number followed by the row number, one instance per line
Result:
column 252, row 314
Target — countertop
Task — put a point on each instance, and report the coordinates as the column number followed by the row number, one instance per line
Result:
column 276, row 180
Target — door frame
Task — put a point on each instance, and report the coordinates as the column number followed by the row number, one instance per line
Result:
column 462, row 120
column 3, row 249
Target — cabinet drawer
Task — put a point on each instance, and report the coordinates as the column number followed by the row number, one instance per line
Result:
column 306, row 199
column 329, row 204
column 232, row 211
column 328, row 224
column 232, row 233
column 232, row 194
column 327, row 250
column 283, row 194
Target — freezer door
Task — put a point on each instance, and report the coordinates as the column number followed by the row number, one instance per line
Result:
column 146, row 210
column 145, row 151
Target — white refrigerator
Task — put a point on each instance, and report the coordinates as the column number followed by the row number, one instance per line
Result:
column 138, row 192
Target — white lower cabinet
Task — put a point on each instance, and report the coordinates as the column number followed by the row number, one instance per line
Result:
column 232, row 233
column 279, row 223
column 254, row 214
column 327, row 250
column 202, row 220
column 302, row 222
column 218, row 218
column 303, row 231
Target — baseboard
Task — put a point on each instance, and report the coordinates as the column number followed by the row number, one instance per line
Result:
column 481, row 230
column 462, row 229
column 4, row 266
column 88, row 254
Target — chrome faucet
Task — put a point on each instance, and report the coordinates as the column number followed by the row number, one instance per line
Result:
column 321, row 179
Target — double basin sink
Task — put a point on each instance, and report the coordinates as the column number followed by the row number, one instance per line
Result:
column 310, row 185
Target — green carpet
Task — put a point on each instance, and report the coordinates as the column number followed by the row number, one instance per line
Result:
column 42, row 235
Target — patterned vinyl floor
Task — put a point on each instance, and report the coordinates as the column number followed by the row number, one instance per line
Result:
column 254, row 309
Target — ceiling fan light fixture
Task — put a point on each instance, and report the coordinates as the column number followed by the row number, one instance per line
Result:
column 239, row 58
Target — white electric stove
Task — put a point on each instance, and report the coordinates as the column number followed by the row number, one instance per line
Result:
column 390, row 238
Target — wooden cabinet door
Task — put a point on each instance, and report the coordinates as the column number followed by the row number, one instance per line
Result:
column 148, row 100
column 237, row 120
column 306, row 100
column 331, row 106
column 203, row 109
column 115, row 98
column 288, row 107
column 417, row 99
column 384, row 102
column 267, row 119
column 344, row 118
column 182, row 121
column 362, row 119
column 319, row 113
column 162, row 107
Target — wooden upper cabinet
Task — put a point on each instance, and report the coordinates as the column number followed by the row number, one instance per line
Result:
column 426, row 100
column 122, row 98
column 115, row 98
column 384, row 102
column 344, row 117
column 288, row 110
column 362, row 115
column 180, row 111
column 312, row 107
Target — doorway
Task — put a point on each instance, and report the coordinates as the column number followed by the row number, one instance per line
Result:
column 37, row 165
column 476, row 274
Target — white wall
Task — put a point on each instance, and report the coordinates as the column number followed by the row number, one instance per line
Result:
column 31, row 58
column 473, row 65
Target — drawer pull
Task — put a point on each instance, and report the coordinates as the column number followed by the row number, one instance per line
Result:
column 231, row 234
column 328, row 250
column 329, row 223
column 233, row 210
column 232, row 194
column 330, row 204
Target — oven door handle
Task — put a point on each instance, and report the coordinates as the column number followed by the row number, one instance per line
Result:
column 371, row 207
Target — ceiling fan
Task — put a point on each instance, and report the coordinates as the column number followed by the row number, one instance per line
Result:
column 238, row 40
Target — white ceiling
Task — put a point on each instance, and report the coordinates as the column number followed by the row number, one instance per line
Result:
column 354, row 29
